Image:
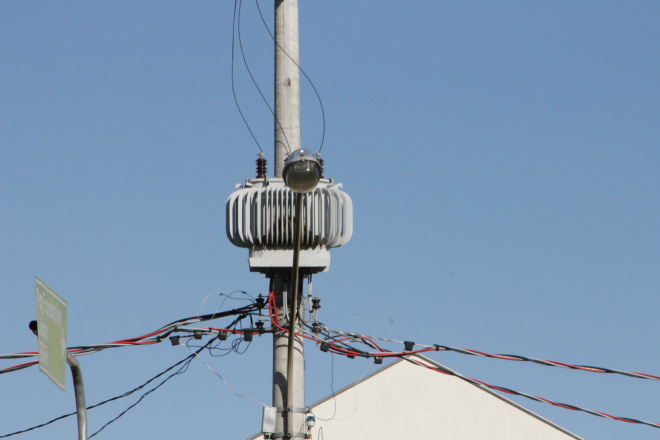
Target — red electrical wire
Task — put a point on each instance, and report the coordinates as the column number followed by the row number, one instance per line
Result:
column 508, row 357
column 136, row 341
column 536, row 398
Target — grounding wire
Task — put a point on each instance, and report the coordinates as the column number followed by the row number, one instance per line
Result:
column 311, row 83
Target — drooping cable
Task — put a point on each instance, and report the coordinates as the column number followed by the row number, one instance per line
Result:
column 247, row 67
column 154, row 337
column 367, row 340
column 532, row 397
column 181, row 370
column 509, row 357
column 121, row 396
column 233, row 87
column 224, row 381
column 339, row 347
column 311, row 83
column 186, row 362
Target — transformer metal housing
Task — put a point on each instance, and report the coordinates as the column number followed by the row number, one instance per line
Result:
column 260, row 218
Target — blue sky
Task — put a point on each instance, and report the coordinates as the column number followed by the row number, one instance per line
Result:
column 502, row 158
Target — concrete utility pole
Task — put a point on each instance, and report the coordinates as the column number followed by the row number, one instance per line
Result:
column 290, row 422
column 287, row 82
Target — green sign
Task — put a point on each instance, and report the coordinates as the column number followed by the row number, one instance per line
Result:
column 51, row 329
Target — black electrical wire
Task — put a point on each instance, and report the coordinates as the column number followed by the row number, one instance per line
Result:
column 181, row 370
column 151, row 338
column 247, row 67
column 186, row 361
column 406, row 355
column 121, row 396
column 233, row 88
column 311, row 83
column 530, row 396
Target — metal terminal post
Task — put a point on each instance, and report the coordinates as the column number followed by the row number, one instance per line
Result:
column 318, row 157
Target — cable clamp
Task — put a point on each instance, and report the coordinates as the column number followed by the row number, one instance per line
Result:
column 275, row 435
column 295, row 410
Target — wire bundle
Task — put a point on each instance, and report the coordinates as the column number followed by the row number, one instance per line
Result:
column 332, row 341
column 342, row 343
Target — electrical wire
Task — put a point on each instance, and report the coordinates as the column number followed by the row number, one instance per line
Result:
column 349, row 351
column 532, row 397
column 247, row 67
column 368, row 340
column 224, row 381
column 121, row 396
column 233, row 87
column 154, row 337
column 181, row 370
column 186, row 362
column 311, row 83
column 510, row 357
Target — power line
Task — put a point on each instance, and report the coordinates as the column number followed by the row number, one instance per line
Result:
column 185, row 361
column 154, row 337
column 532, row 397
column 121, row 396
column 337, row 344
column 509, row 357
column 311, row 83
column 233, row 88
column 247, row 67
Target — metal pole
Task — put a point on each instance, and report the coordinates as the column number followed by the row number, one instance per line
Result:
column 79, row 388
column 293, row 320
column 288, row 371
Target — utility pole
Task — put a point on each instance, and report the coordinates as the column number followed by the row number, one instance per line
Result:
column 261, row 217
column 288, row 398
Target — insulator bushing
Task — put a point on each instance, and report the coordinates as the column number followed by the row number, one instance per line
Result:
column 261, row 167
column 261, row 301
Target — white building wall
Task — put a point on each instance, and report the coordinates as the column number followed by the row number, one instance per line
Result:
column 406, row 401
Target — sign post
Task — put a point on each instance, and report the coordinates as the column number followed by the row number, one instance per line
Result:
column 52, row 313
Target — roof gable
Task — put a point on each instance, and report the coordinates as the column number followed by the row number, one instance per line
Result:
column 404, row 400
